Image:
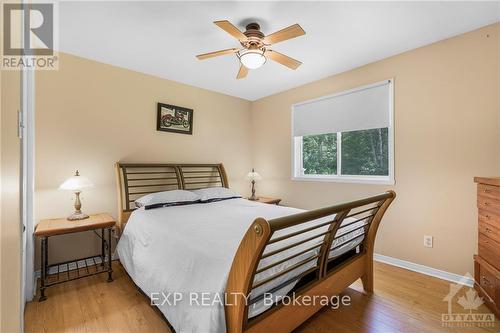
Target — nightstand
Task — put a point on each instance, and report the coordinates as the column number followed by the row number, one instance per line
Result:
column 272, row 201
column 78, row 268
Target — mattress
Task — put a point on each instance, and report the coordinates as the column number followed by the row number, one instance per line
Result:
column 181, row 257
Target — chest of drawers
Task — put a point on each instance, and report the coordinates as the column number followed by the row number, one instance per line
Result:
column 487, row 261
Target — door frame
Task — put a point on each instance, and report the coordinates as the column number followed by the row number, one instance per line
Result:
column 28, row 184
column 27, row 136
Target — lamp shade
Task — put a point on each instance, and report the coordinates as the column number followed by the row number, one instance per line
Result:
column 253, row 175
column 76, row 182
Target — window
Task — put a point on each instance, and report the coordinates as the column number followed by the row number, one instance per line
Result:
column 319, row 154
column 345, row 137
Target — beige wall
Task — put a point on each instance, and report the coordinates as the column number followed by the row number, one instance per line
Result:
column 10, row 217
column 446, row 132
column 90, row 115
column 10, row 229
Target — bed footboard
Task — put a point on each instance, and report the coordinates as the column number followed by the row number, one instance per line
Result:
column 298, row 252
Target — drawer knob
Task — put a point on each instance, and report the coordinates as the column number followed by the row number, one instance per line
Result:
column 486, row 204
column 488, row 230
column 485, row 280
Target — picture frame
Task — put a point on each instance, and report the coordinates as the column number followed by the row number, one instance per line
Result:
column 175, row 119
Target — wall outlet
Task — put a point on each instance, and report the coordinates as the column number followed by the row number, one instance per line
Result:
column 428, row 241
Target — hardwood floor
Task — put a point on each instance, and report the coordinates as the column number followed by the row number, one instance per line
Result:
column 403, row 301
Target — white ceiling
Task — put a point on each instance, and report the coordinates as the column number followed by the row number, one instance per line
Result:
column 162, row 38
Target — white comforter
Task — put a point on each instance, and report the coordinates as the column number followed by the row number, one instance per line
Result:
column 189, row 250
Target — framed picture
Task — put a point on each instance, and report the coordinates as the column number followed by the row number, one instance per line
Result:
column 171, row 118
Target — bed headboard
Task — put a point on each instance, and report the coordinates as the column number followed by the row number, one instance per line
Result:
column 136, row 180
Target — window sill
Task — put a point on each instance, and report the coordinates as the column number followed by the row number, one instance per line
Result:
column 346, row 179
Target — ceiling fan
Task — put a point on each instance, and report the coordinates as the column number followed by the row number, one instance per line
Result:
column 256, row 45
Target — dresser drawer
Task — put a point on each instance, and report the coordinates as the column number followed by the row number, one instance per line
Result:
column 489, row 249
column 488, row 191
column 488, row 282
column 488, row 203
column 489, row 217
column 489, row 229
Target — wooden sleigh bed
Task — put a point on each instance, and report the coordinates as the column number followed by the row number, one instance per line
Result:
column 326, row 276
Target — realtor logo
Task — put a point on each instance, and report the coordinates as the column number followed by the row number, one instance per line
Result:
column 470, row 302
column 28, row 36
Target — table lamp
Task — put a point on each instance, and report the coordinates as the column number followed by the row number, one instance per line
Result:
column 253, row 176
column 76, row 183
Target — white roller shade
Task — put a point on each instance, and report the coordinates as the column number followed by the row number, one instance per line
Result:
column 363, row 108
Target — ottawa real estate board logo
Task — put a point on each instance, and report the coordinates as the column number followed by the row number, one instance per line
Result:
column 29, row 36
column 470, row 314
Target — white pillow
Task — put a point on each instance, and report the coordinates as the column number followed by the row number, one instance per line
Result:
column 211, row 193
column 166, row 197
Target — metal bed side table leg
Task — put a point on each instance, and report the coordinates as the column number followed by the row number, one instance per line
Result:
column 110, row 267
column 103, row 242
column 44, row 255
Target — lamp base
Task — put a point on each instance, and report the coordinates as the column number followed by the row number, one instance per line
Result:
column 253, row 197
column 77, row 216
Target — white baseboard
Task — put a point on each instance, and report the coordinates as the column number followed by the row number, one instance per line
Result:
column 426, row 270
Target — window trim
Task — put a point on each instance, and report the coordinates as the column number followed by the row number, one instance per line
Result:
column 296, row 145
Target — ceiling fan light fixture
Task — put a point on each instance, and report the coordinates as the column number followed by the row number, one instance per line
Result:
column 256, row 45
column 252, row 59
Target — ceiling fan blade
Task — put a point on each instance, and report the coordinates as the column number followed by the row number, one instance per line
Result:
column 283, row 59
column 230, row 29
column 216, row 53
column 285, row 34
column 242, row 73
